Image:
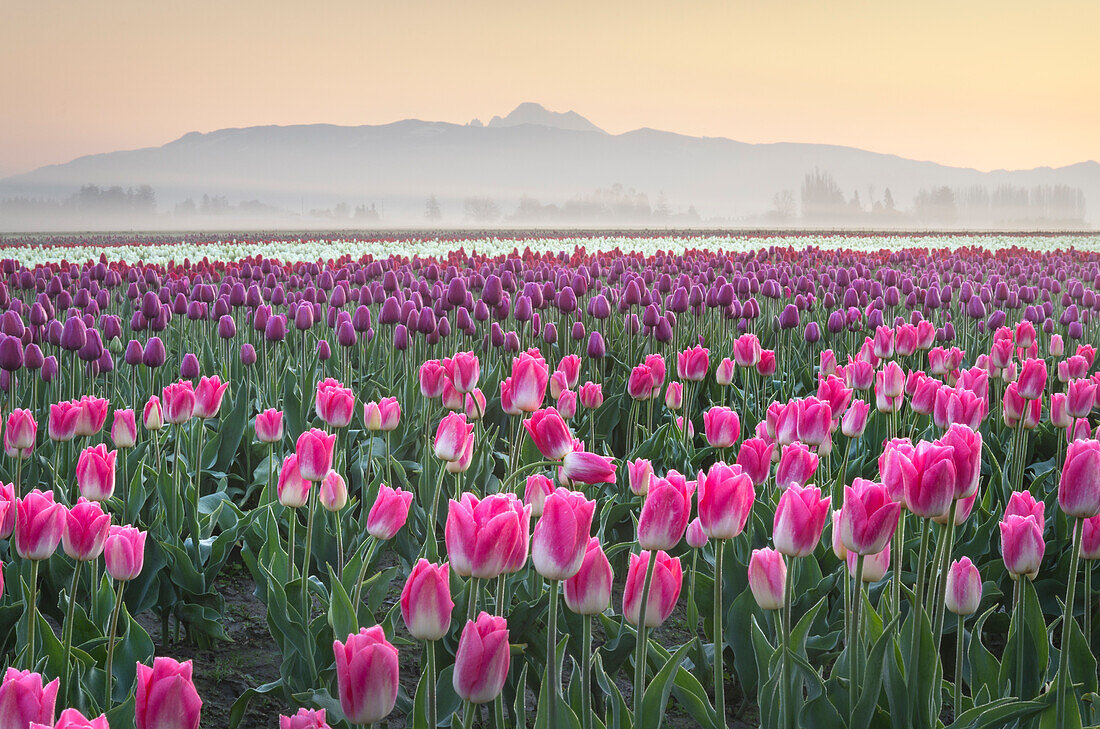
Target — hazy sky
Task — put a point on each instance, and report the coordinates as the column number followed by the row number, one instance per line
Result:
column 984, row 83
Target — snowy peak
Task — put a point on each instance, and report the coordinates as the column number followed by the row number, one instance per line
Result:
column 532, row 113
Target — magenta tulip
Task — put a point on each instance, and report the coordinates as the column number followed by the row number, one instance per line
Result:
column 481, row 662
column 86, row 528
column 530, row 375
column 464, row 370
column 208, row 396
column 549, row 433
column 768, row 578
column 389, row 512
column 152, row 416
column 1079, row 486
column 95, row 473
column 334, row 403
column 25, row 700
column 964, row 587
column 755, row 459
column 797, row 465
column 39, row 525
column 426, row 602
column 929, row 479
column 179, row 402
column 587, row 468
column 304, row 719
column 1022, row 545
column 799, row 520
column 561, row 534
column 124, row 552
column 664, row 588
column 269, row 426
column 453, row 436
column 721, row 426
column 487, row 537
column 868, row 517
column 966, row 455
column 314, row 450
column 166, row 696
column 725, row 495
column 692, row 364
column 366, row 675
column 333, row 494
column 665, row 514
column 20, row 433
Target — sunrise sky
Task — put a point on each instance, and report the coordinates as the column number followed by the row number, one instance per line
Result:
column 983, row 83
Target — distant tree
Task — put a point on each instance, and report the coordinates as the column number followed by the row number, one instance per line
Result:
column 661, row 209
column 481, row 209
column 783, row 204
column 432, row 211
column 855, row 203
column 888, row 200
column 821, row 197
column 341, row 210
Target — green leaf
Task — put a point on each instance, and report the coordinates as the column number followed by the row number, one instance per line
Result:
column 655, row 698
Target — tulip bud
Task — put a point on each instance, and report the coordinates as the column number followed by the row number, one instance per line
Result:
column 664, row 588
column 39, row 525
column 561, row 534
column 799, row 520
column 334, row 492
column 964, row 587
column 588, row 592
column 767, row 578
column 366, row 675
column 124, row 552
column 86, row 528
column 95, row 473
column 1022, row 545
column 166, row 696
column 24, row 700
column 481, row 662
column 389, row 512
column 426, row 602
column 124, row 429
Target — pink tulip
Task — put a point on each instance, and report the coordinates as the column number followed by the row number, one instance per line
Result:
column 372, row 416
column 588, row 592
column 1079, row 430
column 507, row 404
column 1079, row 486
column 755, row 459
column 746, row 350
column 640, row 472
column 656, row 365
column 86, row 528
column 674, row 396
column 481, row 662
column 854, row 420
column 868, row 518
column 884, row 401
column 814, row 421
column 963, row 507
column 124, row 429
column 797, row 465
column 839, row 549
column 1081, row 396
column 39, row 524
column 20, row 433
column 61, row 426
column 640, row 385
column 451, row 398
column 389, row 512
column 799, row 520
column 95, row 472
column 124, row 552
column 665, row 514
column 426, row 602
column 1090, row 538
column 1032, row 379
column 559, row 383
column 166, row 696
column 269, row 426
column 561, row 534
column 549, row 433
column 452, row 435
column 954, row 405
column 1022, row 503
column 25, row 700
column 929, row 478
column 530, row 375
column 767, row 578
column 966, row 447
column 304, row 719
column 464, row 370
column 721, row 426
column 725, row 496
column 538, row 487
column 293, row 490
column 179, row 402
column 1022, row 545
column 152, row 416
column 925, row 392
column 832, row 390
column 875, row 566
column 1059, row 411
column 695, row 536
column 884, row 342
column 487, row 537
column 964, row 587
column 208, row 396
column 723, row 373
column 894, row 453
column 333, row 494
column 333, row 403
column 690, row 426
column 464, row 460
column 7, row 510
column 390, row 411
column 664, row 589
column 766, row 365
column 314, row 450
column 587, row 468
column 826, row 363
column 432, row 378
column 692, row 364
column 591, row 395
column 567, row 404
column 859, row 375
column 366, row 675
column 73, row 719
column 570, row 366
column 474, row 405
column 93, row 414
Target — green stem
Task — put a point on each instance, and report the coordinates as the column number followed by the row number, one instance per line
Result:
column 787, row 699
column 291, row 539
column 468, row 715
column 1088, row 602
column 640, row 649
column 67, row 631
column 195, row 530
column 937, row 630
column 719, row 640
column 918, row 603
column 1017, row 615
column 367, row 557
column 32, row 615
column 305, row 561
column 586, row 672
column 429, row 650
column 431, row 542
column 111, row 642
column 551, row 653
column 854, row 645
column 959, row 668
column 899, row 556
column 1063, row 658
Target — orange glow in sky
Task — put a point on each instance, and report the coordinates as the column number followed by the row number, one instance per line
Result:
column 984, row 83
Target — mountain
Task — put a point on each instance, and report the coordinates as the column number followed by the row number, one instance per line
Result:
column 551, row 157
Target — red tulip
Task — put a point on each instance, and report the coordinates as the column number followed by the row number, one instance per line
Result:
column 799, row 520
column 664, row 589
column 561, row 534
column 725, row 496
column 1079, row 486
column 767, row 578
column 426, row 602
column 487, row 537
column 166, row 696
column 481, row 662
column 366, row 675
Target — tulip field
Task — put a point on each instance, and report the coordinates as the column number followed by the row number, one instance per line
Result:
column 590, row 482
